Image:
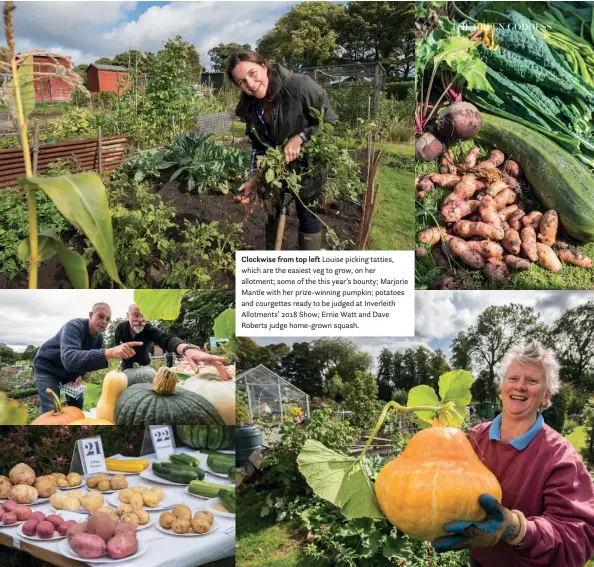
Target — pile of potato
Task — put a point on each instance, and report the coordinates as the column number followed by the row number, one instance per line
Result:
column 139, row 496
column 486, row 226
column 180, row 520
column 74, row 500
column 103, row 482
column 67, row 480
column 101, row 535
column 46, row 526
column 11, row 513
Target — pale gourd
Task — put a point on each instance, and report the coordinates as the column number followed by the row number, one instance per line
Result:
column 220, row 393
column 437, row 479
column 114, row 384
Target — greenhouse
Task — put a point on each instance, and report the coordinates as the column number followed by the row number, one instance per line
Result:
column 268, row 395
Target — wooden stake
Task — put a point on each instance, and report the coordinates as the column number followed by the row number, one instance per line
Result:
column 99, row 151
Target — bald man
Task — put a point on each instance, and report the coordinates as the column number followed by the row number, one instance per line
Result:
column 137, row 328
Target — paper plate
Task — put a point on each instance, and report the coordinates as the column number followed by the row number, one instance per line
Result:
column 65, row 549
column 190, row 533
column 37, row 538
column 150, row 475
column 169, row 501
column 208, row 505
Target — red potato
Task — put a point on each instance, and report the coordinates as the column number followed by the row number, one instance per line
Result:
column 488, row 212
column 420, row 252
column 9, row 518
column 515, row 218
column 528, row 236
column 39, row 516
column 22, row 512
column 486, row 248
column 88, row 546
column 430, row 235
column 561, row 244
column 547, row 231
column 425, row 185
column 485, row 164
column 547, row 258
column 459, row 248
column 55, row 520
column 534, row 218
column 505, row 198
column 2, row 512
column 496, row 270
column 100, row 524
column 9, row 505
column 497, row 157
column 467, row 229
column 45, row 529
column 575, row 257
column 30, row 527
column 457, row 209
column 470, row 158
column 428, row 147
column 445, row 180
column 75, row 530
column 511, row 182
column 123, row 527
column 466, row 188
column 516, row 263
column 496, row 187
column 65, row 526
column 506, row 212
column 440, row 258
column 122, row 545
column 512, row 168
column 512, row 241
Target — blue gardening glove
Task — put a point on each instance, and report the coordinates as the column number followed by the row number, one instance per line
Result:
column 501, row 523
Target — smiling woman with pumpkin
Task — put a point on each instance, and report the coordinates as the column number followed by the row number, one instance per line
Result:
column 546, row 516
column 275, row 104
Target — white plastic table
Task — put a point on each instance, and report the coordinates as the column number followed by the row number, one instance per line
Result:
column 168, row 550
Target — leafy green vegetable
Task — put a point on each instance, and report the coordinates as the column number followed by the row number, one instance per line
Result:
column 339, row 479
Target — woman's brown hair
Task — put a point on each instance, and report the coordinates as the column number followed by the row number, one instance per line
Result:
column 246, row 102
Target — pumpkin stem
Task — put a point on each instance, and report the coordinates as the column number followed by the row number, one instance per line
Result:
column 397, row 407
column 165, row 381
column 57, row 404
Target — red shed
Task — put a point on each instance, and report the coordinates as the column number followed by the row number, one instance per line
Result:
column 50, row 89
column 102, row 78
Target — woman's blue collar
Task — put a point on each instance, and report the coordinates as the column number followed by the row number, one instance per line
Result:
column 521, row 442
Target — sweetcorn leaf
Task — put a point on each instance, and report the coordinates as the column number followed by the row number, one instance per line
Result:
column 27, row 86
column 423, row 396
column 339, row 479
column 159, row 303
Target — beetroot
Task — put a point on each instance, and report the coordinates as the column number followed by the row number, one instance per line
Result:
column 460, row 120
column 428, row 147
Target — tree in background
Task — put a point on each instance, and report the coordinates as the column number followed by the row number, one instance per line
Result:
column 360, row 397
column 302, row 368
column 198, row 312
column 103, row 61
column 342, row 356
column 305, row 36
column 29, row 353
column 221, row 53
column 573, row 338
column 143, row 62
column 498, row 328
column 195, row 68
column 109, row 335
column 8, row 355
column 461, row 358
column 438, row 365
column 385, row 363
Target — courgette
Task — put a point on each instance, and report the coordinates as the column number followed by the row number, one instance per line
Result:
column 558, row 180
column 207, row 489
column 220, row 462
column 228, row 499
column 184, row 459
column 179, row 476
column 197, row 471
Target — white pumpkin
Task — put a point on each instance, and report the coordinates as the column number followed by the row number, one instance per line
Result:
column 220, row 393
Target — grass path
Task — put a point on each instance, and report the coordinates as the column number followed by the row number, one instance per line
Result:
column 92, row 395
column 577, row 438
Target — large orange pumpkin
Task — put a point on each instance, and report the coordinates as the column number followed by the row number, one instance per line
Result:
column 60, row 415
column 436, row 479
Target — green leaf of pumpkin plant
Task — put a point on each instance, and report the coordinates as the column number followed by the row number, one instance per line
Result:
column 50, row 245
column 224, row 328
column 82, row 200
column 339, row 479
column 423, row 396
column 159, row 303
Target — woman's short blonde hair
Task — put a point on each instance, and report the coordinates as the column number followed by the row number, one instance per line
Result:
column 536, row 353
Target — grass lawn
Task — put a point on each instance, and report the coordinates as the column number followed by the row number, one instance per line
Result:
column 92, row 395
column 263, row 543
column 393, row 225
column 577, row 438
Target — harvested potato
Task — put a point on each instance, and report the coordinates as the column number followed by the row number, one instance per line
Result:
column 547, row 231
column 512, row 241
column 131, row 519
column 124, row 509
column 62, row 483
column 74, row 479
column 166, row 519
column 151, row 499
column 5, row 486
column 46, row 486
column 93, row 481
column 57, row 500
column 528, row 236
column 459, row 248
column 575, row 257
column 159, row 491
column 516, row 263
column 104, row 485
column 125, row 494
column 22, row 474
column 139, row 489
column 58, row 475
column 205, row 515
column 136, row 501
column 92, row 501
column 200, row 525
column 547, row 258
column 496, row 270
column 118, row 482
column 180, row 526
column 76, row 493
column 71, row 504
column 143, row 517
column 23, row 494
column 109, row 511
column 182, row 511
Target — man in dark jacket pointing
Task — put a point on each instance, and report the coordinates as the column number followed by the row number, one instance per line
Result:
column 138, row 329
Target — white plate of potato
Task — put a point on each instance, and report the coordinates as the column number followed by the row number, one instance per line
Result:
column 149, row 502
column 182, row 521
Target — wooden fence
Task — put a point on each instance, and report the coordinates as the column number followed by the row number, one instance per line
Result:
column 99, row 154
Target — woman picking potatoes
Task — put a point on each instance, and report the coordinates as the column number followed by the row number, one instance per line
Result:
column 276, row 106
column 546, row 516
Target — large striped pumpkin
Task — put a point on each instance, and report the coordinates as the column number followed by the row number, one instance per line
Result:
column 162, row 403
column 213, row 437
column 436, row 479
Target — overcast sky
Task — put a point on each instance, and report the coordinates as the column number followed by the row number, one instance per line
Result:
column 87, row 31
column 32, row 317
column 441, row 315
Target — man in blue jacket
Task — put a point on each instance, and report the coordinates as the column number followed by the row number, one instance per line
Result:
column 73, row 351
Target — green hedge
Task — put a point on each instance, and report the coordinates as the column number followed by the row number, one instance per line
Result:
column 399, row 90
column 15, row 394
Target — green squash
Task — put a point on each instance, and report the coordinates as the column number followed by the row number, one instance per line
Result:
column 207, row 436
column 141, row 404
column 141, row 375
